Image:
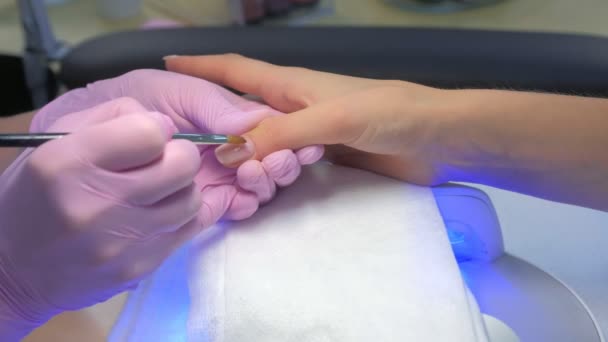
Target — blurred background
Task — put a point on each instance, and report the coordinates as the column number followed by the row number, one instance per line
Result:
column 77, row 20
column 568, row 242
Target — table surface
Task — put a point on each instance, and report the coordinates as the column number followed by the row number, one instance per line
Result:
column 567, row 241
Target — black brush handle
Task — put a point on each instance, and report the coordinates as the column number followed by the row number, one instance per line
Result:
column 37, row 139
column 27, row 140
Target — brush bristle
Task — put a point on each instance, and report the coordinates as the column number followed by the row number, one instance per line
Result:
column 233, row 139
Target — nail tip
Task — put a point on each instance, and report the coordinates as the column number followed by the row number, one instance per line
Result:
column 230, row 155
column 235, row 139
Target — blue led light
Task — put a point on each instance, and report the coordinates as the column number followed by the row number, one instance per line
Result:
column 455, row 237
column 464, row 244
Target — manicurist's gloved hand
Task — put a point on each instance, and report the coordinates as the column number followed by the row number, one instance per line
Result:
column 85, row 217
column 198, row 106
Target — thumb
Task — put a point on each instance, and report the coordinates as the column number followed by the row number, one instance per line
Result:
column 316, row 125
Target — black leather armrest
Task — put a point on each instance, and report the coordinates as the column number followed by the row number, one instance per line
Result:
column 554, row 62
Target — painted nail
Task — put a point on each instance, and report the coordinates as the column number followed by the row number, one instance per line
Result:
column 232, row 155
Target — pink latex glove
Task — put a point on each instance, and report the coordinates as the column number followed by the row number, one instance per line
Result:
column 198, row 106
column 85, row 217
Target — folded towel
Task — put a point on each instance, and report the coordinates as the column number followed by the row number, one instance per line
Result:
column 341, row 255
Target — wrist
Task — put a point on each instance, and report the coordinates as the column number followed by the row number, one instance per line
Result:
column 431, row 131
column 464, row 135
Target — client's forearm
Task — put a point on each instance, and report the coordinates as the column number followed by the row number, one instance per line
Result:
column 550, row 146
column 19, row 124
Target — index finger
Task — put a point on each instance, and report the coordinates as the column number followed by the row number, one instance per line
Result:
column 287, row 89
column 250, row 76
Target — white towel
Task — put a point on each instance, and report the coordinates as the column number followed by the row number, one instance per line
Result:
column 342, row 255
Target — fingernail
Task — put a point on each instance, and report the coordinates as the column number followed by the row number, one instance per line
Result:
column 169, row 57
column 232, row 155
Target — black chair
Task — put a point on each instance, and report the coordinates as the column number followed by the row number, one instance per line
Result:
column 15, row 93
column 551, row 62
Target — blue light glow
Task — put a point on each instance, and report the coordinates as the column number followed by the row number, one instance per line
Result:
column 158, row 309
column 455, row 237
column 465, row 245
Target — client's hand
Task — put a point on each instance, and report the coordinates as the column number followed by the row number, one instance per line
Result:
column 197, row 106
column 545, row 145
column 381, row 126
column 85, row 217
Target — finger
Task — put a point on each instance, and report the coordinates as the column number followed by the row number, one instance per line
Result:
column 237, row 122
column 123, row 143
column 237, row 72
column 326, row 123
column 284, row 88
column 310, row 154
column 243, row 205
column 140, row 227
column 196, row 105
column 252, row 177
column 215, row 202
column 146, row 257
column 282, row 167
column 175, row 170
column 166, row 215
column 59, row 120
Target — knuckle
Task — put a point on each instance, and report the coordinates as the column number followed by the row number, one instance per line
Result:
column 135, row 271
column 105, row 254
column 148, row 127
column 233, row 57
column 132, row 271
column 77, row 219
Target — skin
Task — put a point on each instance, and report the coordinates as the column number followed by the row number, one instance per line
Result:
column 544, row 145
column 16, row 123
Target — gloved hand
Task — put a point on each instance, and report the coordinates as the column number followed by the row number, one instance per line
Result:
column 85, row 217
column 197, row 106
